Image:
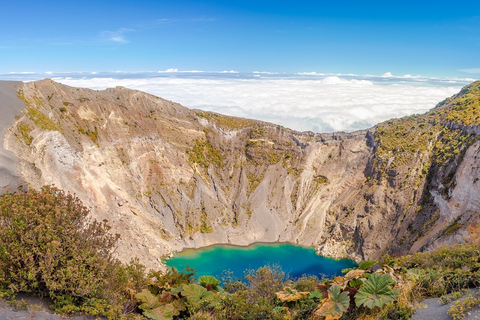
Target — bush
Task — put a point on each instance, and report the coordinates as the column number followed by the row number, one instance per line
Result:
column 397, row 311
column 264, row 282
column 49, row 247
column 446, row 270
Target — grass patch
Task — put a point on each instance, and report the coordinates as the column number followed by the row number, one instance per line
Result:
column 204, row 154
column 40, row 119
column 24, row 130
column 223, row 121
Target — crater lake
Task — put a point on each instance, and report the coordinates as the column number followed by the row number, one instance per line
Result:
column 294, row 260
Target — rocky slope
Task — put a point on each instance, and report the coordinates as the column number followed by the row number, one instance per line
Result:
column 167, row 177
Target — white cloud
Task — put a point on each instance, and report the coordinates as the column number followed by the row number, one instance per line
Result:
column 21, row 72
column 117, row 36
column 169, row 70
column 264, row 72
column 321, row 104
column 410, row 76
column 313, row 73
column 471, row 70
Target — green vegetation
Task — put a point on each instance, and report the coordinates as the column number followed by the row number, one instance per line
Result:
column 376, row 291
column 204, row 154
column 253, row 182
column 462, row 108
column 40, row 119
column 437, row 135
column 445, row 299
column 452, row 227
column 209, row 282
column 24, row 130
column 321, row 180
column 49, row 247
column 460, row 309
column 204, row 227
column 223, row 121
column 33, row 112
column 336, row 303
column 93, row 135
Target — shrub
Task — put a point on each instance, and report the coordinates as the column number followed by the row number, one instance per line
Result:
column 397, row 311
column 460, row 308
column 264, row 282
column 49, row 247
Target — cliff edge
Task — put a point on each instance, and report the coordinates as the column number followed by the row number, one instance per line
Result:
column 167, row 177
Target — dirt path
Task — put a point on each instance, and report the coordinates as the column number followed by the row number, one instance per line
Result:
column 436, row 311
column 34, row 308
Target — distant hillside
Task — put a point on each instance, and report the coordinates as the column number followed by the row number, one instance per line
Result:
column 167, row 177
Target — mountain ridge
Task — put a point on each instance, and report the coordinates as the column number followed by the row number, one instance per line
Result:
column 167, row 177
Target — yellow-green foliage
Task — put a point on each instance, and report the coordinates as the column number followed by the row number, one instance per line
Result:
column 449, row 144
column 40, row 119
column 223, row 121
column 204, row 227
column 33, row 112
column 262, row 152
column 445, row 270
column 321, row 180
column 21, row 96
column 93, row 135
column 452, row 227
column 457, row 257
column 25, row 130
column 463, row 108
column 461, row 308
column 253, row 182
column 49, row 247
column 204, row 154
column 257, row 132
column 402, row 139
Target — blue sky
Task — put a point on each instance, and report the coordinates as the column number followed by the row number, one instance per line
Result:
column 430, row 38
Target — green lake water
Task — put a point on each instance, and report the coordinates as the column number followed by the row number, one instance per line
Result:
column 294, row 260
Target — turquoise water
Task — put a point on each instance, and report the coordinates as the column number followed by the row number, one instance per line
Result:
column 295, row 261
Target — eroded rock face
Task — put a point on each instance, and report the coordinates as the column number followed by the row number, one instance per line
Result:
column 167, row 177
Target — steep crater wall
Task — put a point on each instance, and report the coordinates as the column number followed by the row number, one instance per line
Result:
column 167, row 177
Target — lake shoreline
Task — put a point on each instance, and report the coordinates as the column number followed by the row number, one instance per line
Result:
column 334, row 257
column 293, row 259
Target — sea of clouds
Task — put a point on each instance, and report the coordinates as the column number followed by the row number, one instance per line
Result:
column 305, row 102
